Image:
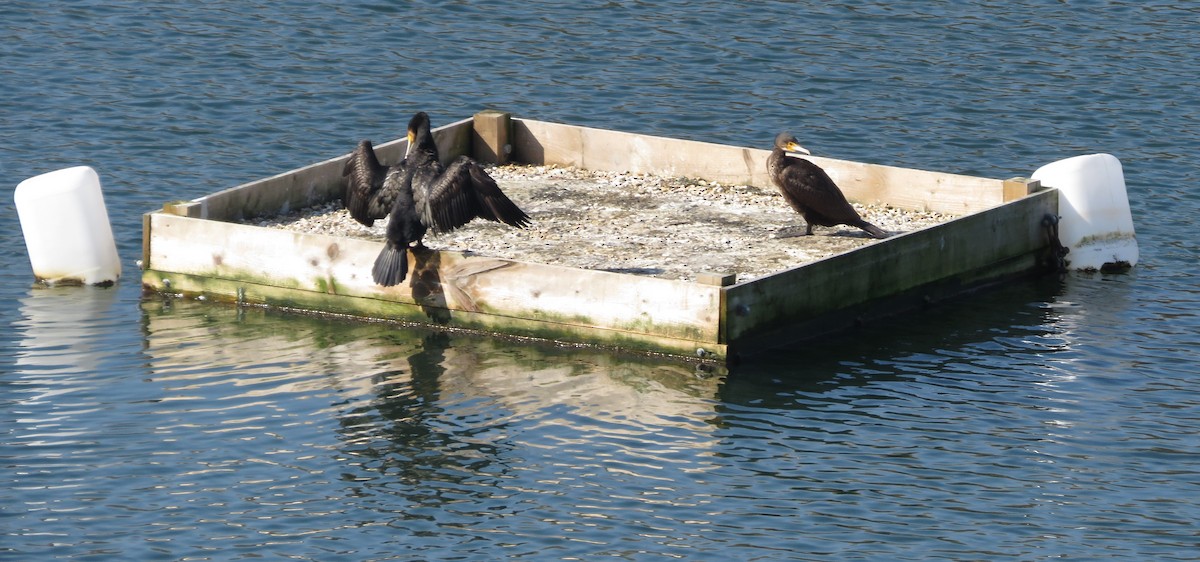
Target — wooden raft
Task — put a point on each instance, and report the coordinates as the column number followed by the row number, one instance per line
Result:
column 199, row 248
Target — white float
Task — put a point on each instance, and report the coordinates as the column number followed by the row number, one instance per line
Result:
column 66, row 228
column 1096, row 222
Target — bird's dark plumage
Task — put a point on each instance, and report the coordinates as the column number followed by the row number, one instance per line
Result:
column 369, row 194
column 432, row 196
column 810, row 191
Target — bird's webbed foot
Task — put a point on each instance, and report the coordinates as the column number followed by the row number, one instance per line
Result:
column 790, row 232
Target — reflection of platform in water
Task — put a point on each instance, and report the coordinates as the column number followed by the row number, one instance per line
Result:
column 195, row 344
column 200, row 247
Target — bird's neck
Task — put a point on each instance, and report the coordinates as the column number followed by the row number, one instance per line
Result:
column 777, row 157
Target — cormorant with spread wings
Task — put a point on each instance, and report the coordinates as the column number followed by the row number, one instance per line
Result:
column 421, row 194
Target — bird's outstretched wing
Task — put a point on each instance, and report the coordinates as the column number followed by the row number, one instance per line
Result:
column 368, row 197
column 466, row 191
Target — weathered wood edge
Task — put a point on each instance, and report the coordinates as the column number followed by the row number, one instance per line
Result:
column 464, row 290
column 491, row 139
column 1016, row 188
column 357, row 343
column 248, row 293
column 540, row 142
column 834, row 293
column 310, row 185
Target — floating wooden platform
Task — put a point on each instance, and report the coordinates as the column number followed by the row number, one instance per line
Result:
column 201, row 247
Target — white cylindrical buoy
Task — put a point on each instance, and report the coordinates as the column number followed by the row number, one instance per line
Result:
column 66, row 228
column 1096, row 222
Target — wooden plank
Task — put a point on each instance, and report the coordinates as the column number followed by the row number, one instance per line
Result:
column 225, row 290
column 449, row 281
column 912, row 189
column 145, row 259
column 459, row 365
column 313, row 184
column 491, row 139
column 720, row 279
column 1016, row 188
column 539, row 142
column 963, row 252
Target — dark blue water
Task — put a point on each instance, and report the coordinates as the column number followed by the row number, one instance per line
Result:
column 1048, row 419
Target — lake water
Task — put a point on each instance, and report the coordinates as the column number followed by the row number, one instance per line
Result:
column 1048, row 419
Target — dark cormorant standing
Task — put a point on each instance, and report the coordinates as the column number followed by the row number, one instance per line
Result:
column 424, row 195
column 810, row 191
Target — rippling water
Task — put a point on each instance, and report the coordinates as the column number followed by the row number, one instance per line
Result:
column 1046, row 419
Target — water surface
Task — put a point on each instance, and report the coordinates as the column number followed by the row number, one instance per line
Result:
column 1052, row 418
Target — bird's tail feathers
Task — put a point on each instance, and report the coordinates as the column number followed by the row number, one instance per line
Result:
column 391, row 267
column 873, row 230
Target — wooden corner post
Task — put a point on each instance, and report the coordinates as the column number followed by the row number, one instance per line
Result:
column 491, row 139
column 1016, row 188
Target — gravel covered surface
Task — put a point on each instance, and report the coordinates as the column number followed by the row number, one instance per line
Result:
column 672, row 228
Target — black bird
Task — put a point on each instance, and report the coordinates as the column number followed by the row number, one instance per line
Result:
column 810, row 191
column 430, row 196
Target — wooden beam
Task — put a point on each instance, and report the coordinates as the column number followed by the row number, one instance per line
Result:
column 228, row 290
column 965, row 252
column 491, row 139
column 1016, row 188
column 539, row 142
column 477, row 366
column 181, row 208
column 443, row 283
column 146, row 241
column 316, row 183
column 717, row 279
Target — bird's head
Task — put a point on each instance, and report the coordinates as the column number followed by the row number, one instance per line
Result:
column 419, row 120
column 418, row 128
column 419, row 136
column 788, row 143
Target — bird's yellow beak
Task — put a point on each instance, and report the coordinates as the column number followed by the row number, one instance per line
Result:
column 795, row 147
